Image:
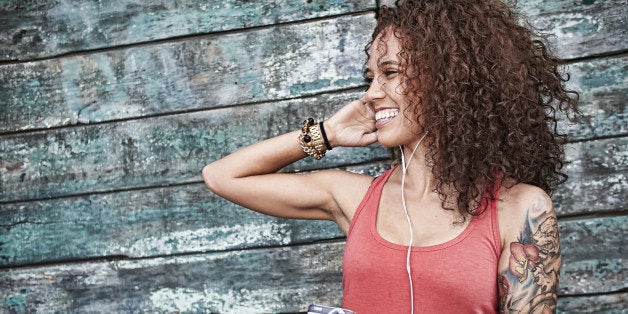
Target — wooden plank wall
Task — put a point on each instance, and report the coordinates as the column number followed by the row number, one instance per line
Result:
column 109, row 110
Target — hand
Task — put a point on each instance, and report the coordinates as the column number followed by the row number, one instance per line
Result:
column 353, row 125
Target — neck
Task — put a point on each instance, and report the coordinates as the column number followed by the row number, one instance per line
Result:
column 418, row 176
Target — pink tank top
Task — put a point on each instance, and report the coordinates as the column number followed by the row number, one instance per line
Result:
column 458, row 276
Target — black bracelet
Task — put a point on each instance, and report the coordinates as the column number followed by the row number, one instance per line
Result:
column 320, row 125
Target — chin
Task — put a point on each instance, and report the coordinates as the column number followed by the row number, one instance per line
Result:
column 387, row 141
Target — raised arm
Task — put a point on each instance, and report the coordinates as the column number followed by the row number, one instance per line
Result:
column 529, row 266
column 248, row 176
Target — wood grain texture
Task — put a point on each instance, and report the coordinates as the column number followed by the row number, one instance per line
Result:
column 155, row 151
column 145, row 223
column 594, row 257
column 606, row 303
column 592, row 194
column 38, row 29
column 259, row 280
column 205, row 72
column 253, row 281
column 580, row 28
column 598, row 172
column 603, row 87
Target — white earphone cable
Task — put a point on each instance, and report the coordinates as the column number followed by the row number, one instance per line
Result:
column 404, row 169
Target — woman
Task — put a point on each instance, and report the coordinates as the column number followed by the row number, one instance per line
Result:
column 464, row 223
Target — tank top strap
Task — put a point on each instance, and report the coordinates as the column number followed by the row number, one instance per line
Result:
column 494, row 220
column 374, row 190
column 489, row 219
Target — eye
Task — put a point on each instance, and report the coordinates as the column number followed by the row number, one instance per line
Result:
column 390, row 72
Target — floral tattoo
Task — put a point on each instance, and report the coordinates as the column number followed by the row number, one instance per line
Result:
column 530, row 282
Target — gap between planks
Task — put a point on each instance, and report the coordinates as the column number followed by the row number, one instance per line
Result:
column 195, row 182
column 594, row 215
column 187, row 111
column 117, row 258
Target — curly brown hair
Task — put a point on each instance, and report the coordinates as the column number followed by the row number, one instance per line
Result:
column 485, row 86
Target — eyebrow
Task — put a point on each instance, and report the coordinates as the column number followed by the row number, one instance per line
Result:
column 389, row 62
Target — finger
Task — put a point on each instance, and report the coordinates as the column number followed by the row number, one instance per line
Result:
column 370, row 138
column 360, row 101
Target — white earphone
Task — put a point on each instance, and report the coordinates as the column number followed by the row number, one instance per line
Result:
column 404, row 169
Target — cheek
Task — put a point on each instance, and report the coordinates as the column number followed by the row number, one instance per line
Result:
column 397, row 88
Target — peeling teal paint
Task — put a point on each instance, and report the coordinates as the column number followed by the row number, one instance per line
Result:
column 193, row 74
column 580, row 25
column 16, row 303
column 69, row 82
column 75, row 25
column 301, row 88
column 357, row 81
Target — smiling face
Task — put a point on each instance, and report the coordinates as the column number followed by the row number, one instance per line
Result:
column 386, row 94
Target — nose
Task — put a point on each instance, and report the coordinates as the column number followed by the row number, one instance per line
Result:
column 374, row 92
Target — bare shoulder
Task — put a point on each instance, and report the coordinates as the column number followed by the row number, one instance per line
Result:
column 519, row 204
column 523, row 194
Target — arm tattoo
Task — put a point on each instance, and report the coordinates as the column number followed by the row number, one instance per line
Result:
column 530, row 282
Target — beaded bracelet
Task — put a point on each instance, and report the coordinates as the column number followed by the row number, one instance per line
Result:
column 311, row 139
column 320, row 126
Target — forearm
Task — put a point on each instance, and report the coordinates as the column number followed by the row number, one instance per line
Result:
column 264, row 157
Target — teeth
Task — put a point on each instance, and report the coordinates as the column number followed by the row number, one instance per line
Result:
column 386, row 114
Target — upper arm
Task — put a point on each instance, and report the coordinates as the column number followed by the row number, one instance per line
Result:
column 529, row 265
column 321, row 195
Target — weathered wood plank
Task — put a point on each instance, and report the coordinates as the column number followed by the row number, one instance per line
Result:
column 594, row 257
column 42, row 29
column 597, row 177
column 252, row 281
column 184, row 219
column 603, row 87
column 580, row 28
column 98, row 225
column 155, row 151
column 46, row 28
column 603, row 193
column 592, row 158
column 260, row 280
column 205, row 72
column 143, row 223
column 606, row 303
